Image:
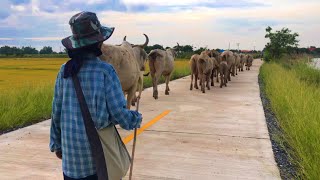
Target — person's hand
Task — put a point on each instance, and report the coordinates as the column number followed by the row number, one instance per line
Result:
column 59, row 154
column 140, row 116
column 139, row 123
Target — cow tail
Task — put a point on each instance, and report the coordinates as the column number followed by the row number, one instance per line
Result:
column 152, row 58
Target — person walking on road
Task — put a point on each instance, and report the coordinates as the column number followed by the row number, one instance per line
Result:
column 103, row 95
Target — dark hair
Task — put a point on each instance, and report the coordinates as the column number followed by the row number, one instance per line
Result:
column 78, row 56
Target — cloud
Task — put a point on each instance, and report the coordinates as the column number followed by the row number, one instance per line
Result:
column 81, row 5
column 199, row 22
column 18, row 7
column 169, row 5
column 44, row 38
column 17, row 2
column 6, row 39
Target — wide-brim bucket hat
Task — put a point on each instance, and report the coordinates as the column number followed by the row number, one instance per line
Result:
column 86, row 30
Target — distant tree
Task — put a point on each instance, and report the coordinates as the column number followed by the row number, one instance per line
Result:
column 281, row 42
column 6, row 50
column 46, row 50
column 29, row 50
column 156, row 46
column 184, row 48
column 198, row 51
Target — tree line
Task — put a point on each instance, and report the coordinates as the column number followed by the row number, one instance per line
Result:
column 272, row 50
column 7, row 50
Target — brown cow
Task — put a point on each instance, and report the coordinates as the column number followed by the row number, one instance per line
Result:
column 161, row 62
column 194, row 70
column 237, row 62
column 125, row 62
column 229, row 58
column 223, row 68
column 249, row 61
column 205, row 66
column 243, row 58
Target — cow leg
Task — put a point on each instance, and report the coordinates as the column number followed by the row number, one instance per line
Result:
column 196, row 81
column 167, row 84
column 212, row 77
column 191, row 85
column 202, row 80
column 131, row 93
column 225, row 80
column 208, row 81
column 221, row 80
column 158, row 75
column 134, row 100
column 217, row 71
column 233, row 70
column 155, row 83
column 140, row 88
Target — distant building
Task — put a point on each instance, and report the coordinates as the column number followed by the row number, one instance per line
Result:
column 312, row 48
column 246, row 51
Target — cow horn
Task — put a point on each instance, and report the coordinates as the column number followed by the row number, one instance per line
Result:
column 125, row 38
column 175, row 48
column 145, row 44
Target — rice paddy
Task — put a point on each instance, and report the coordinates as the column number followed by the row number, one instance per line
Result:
column 26, row 86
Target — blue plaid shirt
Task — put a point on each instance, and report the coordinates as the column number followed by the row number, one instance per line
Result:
column 106, row 103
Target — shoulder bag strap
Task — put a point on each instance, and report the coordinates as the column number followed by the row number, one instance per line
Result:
column 93, row 137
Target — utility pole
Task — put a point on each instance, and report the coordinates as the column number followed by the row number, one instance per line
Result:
column 229, row 46
column 238, row 46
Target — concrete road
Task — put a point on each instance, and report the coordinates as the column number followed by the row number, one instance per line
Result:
column 221, row 134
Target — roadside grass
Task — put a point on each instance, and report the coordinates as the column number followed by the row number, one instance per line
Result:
column 295, row 98
column 303, row 68
column 305, row 73
column 25, row 105
column 26, row 88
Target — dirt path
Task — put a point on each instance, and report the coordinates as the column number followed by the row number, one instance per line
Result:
column 218, row 135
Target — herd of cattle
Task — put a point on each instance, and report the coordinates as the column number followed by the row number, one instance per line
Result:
column 210, row 63
column 129, row 62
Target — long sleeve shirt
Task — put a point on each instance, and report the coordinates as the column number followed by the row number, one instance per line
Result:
column 105, row 99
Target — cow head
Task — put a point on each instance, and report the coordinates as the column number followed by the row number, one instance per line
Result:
column 138, row 45
column 139, row 52
column 174, row 50
column 141, row 57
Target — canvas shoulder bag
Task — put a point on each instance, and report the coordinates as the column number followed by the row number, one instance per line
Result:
column 109, row 153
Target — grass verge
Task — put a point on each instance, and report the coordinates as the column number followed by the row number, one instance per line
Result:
column 22, row 106
column 295, row 98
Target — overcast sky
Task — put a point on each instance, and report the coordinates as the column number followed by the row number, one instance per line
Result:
column 212, row 23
